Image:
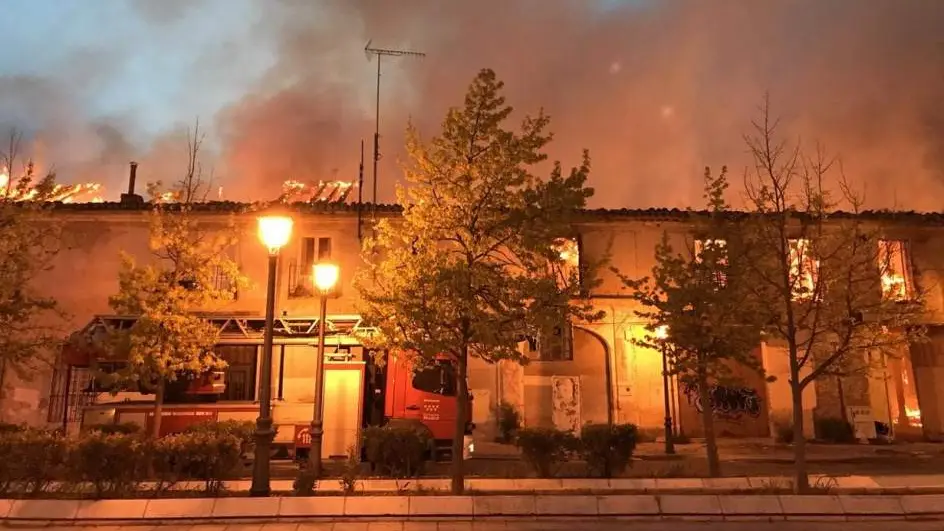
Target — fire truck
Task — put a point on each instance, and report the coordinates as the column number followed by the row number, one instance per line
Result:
column 425, row 399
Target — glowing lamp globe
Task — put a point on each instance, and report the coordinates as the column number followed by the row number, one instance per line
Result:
column 325, row 276
column 662, row 332
column 275, row 231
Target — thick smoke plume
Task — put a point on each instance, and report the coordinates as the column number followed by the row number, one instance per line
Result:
column 656, row 90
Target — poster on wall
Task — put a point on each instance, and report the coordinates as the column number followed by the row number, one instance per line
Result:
column 565, row 402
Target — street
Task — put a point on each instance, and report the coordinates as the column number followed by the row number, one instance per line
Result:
column 555, row 525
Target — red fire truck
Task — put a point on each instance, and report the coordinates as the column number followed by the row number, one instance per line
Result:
column 424, row 398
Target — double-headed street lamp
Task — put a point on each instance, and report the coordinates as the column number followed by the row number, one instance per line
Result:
column 274, row 232
column 325, row 277
column 662, row 334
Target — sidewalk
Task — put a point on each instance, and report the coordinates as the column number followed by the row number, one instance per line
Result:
column 474, row 508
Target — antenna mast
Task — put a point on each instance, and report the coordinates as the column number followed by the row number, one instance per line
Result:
column 360, row 191
column 380, row 53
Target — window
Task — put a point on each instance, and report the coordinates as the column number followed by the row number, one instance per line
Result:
column 556, row 344
column 568, row 271
column 240, row 372
column 894, row 267
column 223, row 282
column 720, row 246
column 438, row 379
column 804, row 270
column 312, row 250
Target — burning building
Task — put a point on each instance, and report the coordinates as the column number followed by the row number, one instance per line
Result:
column 597, row 372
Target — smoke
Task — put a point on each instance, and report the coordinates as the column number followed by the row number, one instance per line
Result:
column 656, row 90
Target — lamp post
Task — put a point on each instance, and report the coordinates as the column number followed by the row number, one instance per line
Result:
column 662, row 333
column 325, row 276
column 274, row 232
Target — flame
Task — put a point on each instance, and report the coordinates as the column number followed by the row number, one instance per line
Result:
column 895, row 285
column 914, row 416
column 65, row 193
column 322, row 191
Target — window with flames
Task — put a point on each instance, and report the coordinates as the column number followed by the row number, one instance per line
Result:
column 567, row 270
column 893, row 264
column 804, row 270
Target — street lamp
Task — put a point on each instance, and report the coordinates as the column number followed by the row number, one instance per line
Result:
column 662, row 334
column 325, row 277
column 274, row 232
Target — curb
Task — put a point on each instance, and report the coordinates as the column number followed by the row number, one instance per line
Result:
column 334, row 508
column 839, row 485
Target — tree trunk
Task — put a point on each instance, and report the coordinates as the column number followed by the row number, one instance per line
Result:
column 158, row 409
column 801, row 481
column 708, row 423
column 462, row 408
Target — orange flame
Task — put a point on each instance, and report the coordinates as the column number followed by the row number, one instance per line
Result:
column 65, row 193
column 322, row 191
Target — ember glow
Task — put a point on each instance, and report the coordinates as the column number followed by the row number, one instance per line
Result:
column 322, row 191
column 64, row 193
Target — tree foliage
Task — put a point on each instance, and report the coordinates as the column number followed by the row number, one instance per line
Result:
column 701, row 296
column 474, row 265
column 30, row 322
column 189, row 271
column 822, row 276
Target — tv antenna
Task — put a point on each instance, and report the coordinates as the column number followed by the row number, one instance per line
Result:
column 380, row 53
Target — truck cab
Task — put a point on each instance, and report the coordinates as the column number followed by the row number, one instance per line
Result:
column 424, row 398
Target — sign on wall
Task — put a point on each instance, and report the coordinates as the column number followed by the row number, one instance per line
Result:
column 565, row 402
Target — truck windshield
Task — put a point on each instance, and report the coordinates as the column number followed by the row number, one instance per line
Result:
column 438, row 379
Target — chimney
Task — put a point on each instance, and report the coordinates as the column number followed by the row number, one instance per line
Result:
column 132, row 177
column 131, row 198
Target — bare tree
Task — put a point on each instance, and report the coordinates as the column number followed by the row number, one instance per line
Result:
column 819, row 272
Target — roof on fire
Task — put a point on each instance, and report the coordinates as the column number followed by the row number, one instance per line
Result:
column 601, row 214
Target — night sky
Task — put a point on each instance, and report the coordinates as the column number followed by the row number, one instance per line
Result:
column 656, row 90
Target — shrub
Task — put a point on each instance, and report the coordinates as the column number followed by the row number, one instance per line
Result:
column 509, row 422
column 395, row 451
column 834, row 430
column 306, row 482
column 244, row 430
column 124, row 428
column 544, row 449
column 350, row 471
column 783, row 429
column 607, row 449
column 200, row 456
column 31, row 460
column 114, row 464
column 6, row 427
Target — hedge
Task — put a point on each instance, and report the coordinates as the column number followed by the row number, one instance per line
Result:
column 115, row 464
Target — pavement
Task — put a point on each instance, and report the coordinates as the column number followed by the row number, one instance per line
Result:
column 511, row 525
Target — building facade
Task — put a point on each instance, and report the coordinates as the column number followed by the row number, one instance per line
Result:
column 602, row 375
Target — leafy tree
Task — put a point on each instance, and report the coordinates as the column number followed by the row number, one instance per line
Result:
column 474, row 265
column 29, row 241
column 189, row 272
column 820, row 275
column 702, row 299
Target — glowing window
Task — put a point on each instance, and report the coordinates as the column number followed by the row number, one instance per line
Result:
column 893, row 265
column 721, row 277
column 804, row 270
